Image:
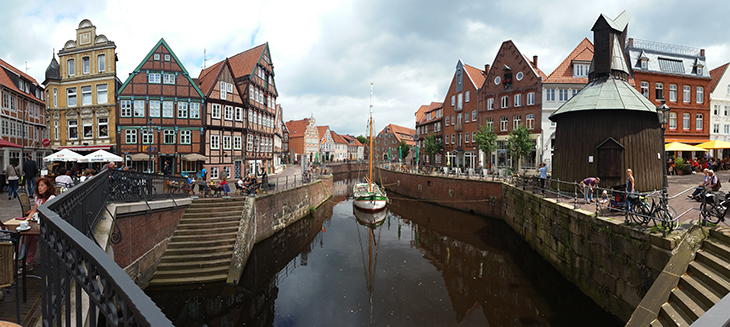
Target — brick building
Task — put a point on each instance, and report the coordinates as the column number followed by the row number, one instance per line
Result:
column 720, row 107
column 460, row 116
column 386, row 143
column 675, row 74
column 430, row 122
column 303, row 139
column 511, row 96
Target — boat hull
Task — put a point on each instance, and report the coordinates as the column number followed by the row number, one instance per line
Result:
column 370, row 203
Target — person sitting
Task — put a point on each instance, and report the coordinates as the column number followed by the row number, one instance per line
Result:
column 702, row 185
column 63, row 179
column 252, row 183
column 240, row 186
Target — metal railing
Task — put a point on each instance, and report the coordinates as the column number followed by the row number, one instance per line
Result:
column 667, row 48
column 75, row 269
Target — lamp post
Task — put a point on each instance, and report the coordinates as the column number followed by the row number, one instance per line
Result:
column 663, row 115
column 256, row 141
column 150, row 130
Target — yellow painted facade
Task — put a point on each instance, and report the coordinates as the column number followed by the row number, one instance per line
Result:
column 81, row 106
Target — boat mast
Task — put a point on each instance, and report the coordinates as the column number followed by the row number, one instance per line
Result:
column 370, row 180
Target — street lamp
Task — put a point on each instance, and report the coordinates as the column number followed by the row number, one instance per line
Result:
column 256, row 141
column 663, row 115
column 150, row 130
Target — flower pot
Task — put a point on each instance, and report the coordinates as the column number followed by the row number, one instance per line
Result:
column 680, row 172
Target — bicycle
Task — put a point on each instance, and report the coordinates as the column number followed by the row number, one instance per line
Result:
column 640, row 212
column 713, row 207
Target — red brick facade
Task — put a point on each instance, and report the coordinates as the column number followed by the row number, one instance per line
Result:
column 459, row 122
column 141, row 233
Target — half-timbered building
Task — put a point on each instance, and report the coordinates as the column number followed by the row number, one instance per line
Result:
column 160, row 115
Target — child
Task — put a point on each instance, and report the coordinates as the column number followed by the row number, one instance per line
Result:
column 604, row 197
column 224, row 185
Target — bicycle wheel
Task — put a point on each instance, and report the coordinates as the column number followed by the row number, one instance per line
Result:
column 712, row 213
column 667, row 218
column 639, row 214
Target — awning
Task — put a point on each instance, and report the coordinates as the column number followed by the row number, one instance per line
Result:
column 678, row 146
column 85, row 147
column 687, row 141
column 7, row 144
column 193, row 157
column 140, row 157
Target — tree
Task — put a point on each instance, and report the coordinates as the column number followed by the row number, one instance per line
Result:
column 404, row 149
column 362, row 139
column 519, row 144
column 486, row 140
column 432, row 145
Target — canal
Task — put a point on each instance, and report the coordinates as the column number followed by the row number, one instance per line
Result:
column 419, row 265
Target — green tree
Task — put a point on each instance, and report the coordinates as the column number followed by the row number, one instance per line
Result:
column 432, row 145
column 519, row 145
column 486, row 139
column 362, row 139
column 405, row 149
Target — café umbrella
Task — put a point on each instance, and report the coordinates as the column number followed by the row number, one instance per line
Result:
column 714, row 144
column 64, row 155
column 101, row 156
column 679, row 146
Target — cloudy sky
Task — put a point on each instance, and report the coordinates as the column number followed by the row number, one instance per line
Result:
column 326, row 52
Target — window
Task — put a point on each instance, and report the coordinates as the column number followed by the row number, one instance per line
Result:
column 659, row 87
column 71, row 67
column 167, row 57
column 728, row 89
column 88, row 129
column 182, row 110
column 130, row 136
column 466, row 138
column 85, row 95
column 453, row 100
column 686, row 96
column 85, row 64
column 239, row 114
column 168, row 136
column 214, row 173
column 195, row 110
column 215, row 142
column 645, row 89
column 466, row 117
column 216, row 111
column 458, row 119
column 700, row 94
column 518, row 100
column 227, row 171
column 717, row 109
column 71, row 96
column 698, row 122
column 447, row 121
column 563, row 95
column 473, row 134
column 459, row 102
column 716, row 128
column 237, row 143
column 490, row 103
column 186, row 136
column 223, row 90
column 126, row 108
column 466, row 96
column 580, row 70
column 497, row 80
column 103, row 127
column 226, row 142
column 229, row 113
column 644, row 64
column 148, row 136
column 168, row 109
column 505, row 100
column 101, row 94
column 490, row 123
column 516, row 121
column 673, row 92
column 153, row 78
column 154, row 108
column 73, row 129
column 519, row 76
column 503, row 123
column 168, row 78
column 156, row 56
column 672, row 120
column 473, row 115
column 453, row 140
column 55, row 98
column 550, row 95
column 727, row 129
column 101, row 63
column 229, row 87
column 726, row 110
column 530, row 98
column 575, row 91
column 685, row 122
column 138, row 108
column 55, row 130
column 530, row 121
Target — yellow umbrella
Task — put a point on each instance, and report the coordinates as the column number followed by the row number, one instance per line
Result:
column 678, row 146
column 716, row 144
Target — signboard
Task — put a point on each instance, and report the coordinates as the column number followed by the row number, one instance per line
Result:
column 148, row 148
column 46, row 142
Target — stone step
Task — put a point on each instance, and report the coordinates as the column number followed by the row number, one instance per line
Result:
column 721, row 233
column 217, row 208
column 685, row 301
column 674, row 316
column 190, row 265
column 713, row 279
column 659, row 323
column 188, row 280
column 216, row 202
column 206, row 224
column 712, row 260
column 197, row 237
column 703, row 293
column 202, row 251
column 718, row 247
column 201, row 243
column 233, row 215
column 206, row 231
column 177, row 273
column 169, row 258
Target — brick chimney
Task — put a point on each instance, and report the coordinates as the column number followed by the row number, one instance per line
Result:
column 486, row 68
column 631, row 41
column 702, row 52
column 534, row 61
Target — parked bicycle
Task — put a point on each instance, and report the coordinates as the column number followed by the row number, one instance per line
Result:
column 713, row 207
column 642, row 212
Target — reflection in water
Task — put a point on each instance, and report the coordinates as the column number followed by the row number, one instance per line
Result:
column 423, row 265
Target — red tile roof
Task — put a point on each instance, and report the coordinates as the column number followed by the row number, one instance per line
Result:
column 401, row 133
column 476, row 75
column 338, row 138
column 421, row 112
column 716, row 74
column 538, row 71
column 7, row 82
column 297, row 128
column 354, row 140
column 245, row 62
column 564, row 72
column 208, row 76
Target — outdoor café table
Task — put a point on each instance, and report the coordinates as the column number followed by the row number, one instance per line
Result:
column 35, row 229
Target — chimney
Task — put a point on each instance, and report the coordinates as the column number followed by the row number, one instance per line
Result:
column 702, row 52
column 486, row 68
column 534, row 61
column 631, row 41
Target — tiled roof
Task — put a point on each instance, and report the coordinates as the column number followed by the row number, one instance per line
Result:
column 208, row 76
column 564, row 72
column 431, row 108
column 349, row 137
column 7, row 82
column 244, row 63
column 18, row 71
column 338, row 138
column 537, row 71
column 476, row 75
column 716, row 74
column 421, row 112
column 401, row 133
column 322, row 130
column 297, row 128
column 436, row 105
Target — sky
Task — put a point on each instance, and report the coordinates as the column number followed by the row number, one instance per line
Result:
column 327, row 52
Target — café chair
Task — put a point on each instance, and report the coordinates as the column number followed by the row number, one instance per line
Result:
column 12, row 257
column 25, row 205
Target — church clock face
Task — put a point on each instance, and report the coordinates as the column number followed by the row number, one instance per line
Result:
column 85, row 38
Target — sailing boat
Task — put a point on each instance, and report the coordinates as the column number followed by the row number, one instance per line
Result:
column 368, row 196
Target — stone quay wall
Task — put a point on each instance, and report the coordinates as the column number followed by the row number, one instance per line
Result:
column 338, row 168
column 611, row 262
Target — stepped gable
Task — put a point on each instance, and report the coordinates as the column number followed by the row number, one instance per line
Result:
column 297, row 128
column 716, row 75
column 564, row 72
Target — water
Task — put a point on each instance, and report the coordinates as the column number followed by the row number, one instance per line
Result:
column 423, row 265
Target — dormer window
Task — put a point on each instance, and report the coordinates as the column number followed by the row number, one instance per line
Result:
column 580, row 70
column 644, row 64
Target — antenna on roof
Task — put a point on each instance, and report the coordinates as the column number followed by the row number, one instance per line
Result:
column 26, row 66
column 205, row 58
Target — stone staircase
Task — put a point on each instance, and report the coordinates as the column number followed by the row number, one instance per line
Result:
column 706, row 281
column 201, row 248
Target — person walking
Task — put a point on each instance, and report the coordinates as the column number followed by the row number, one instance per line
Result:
column 543, row 176
column 166, row 168
column 30, row 171
column 588, row 185
column 13, row 175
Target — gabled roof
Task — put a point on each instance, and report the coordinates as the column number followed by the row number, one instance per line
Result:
column 208, row 76
column 401, row 133
column 245, row 62
column 421, row 112
column 322, row 130
column 351, row 140
column 476, row 75
column 564, row 72
column 716, row 75
column 537, row 71
column 618, row 24
column 338, row 138
column 6, row 81
column 297, row 128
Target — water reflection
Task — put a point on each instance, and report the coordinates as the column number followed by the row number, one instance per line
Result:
column 414, row 264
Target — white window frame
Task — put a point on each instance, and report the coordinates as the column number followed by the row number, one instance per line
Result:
column 71, row 67
column 530, row 98
column 530, row 121
column 86, row 65
column 215, row 111
column 239, row 114
column 126, row 108
column 504, row 101
column 130, row 136
column 168, row 133
column 686, row 93
column 102, row 126
column 86, row 96
column 226, row 142
column 215, row 142
column 70, row 94
column 214, row 173
column 168, row 78
column 453, row 100
column 168, row 109
column 194, row 110
column 466, row 96
column 155, row 108
column 101, row 63
column 699, row 122
column 673, row 92
column 186, row 136
column 685, row 121
column 153, row 78
column 490, row 104
column 228, row 113
column 503, row 121
column 672, row 120
column 72, row 124
column 518, row 100
column 473, row 115
column 459, row 101
column 700, row 94
column 148, row 136
column 222, row 90
column 550, row 95
column 182, row 110
column 139, row 108
column 658, row 91
column 237, row 143
column 102, row 94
